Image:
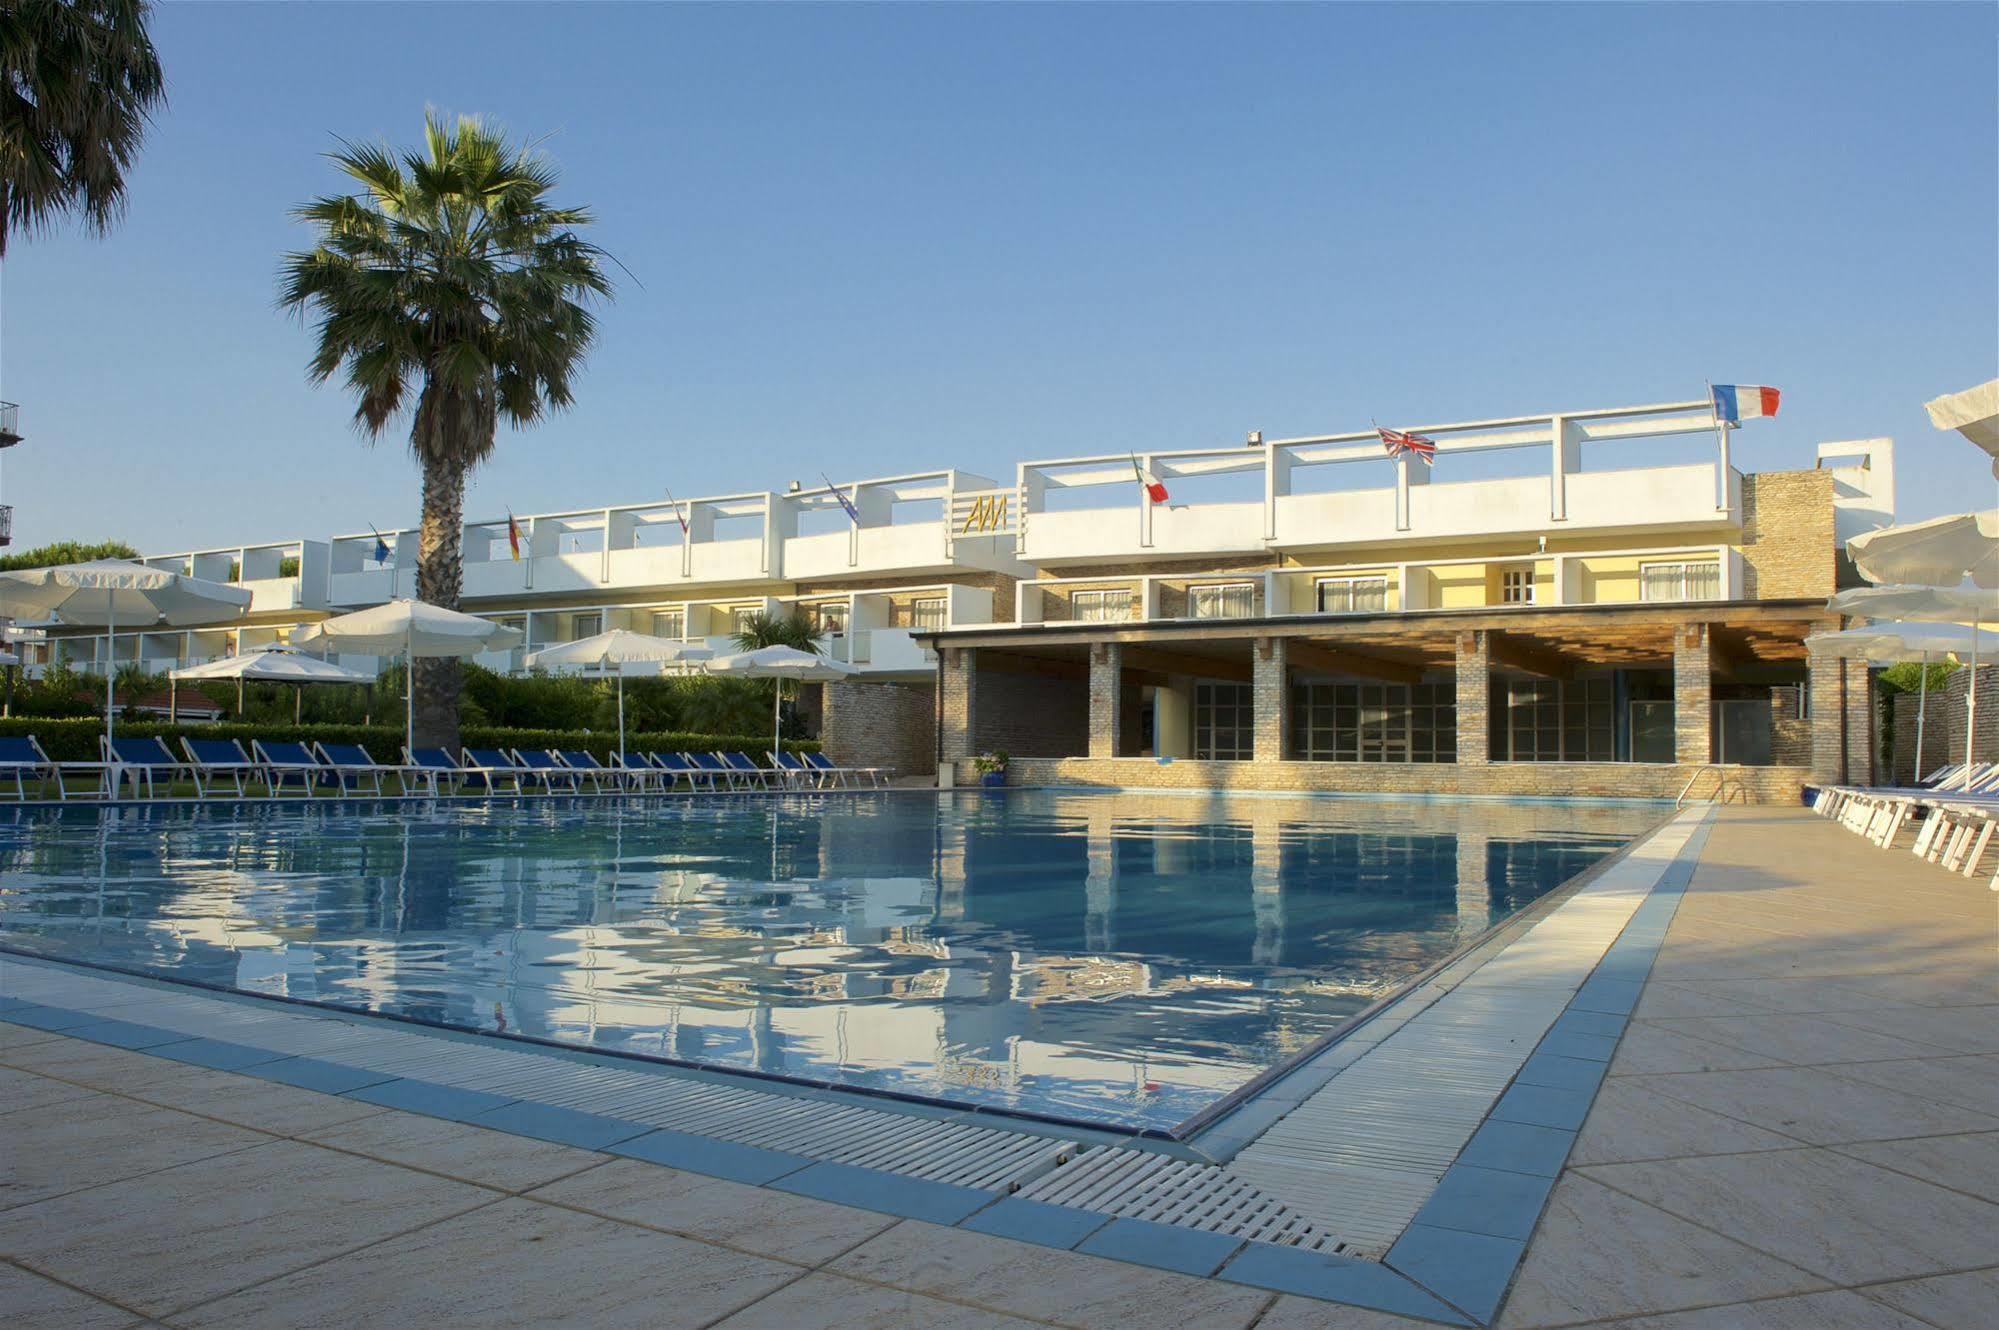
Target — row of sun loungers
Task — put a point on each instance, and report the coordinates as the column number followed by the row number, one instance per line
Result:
column 272, row 769
column 1956, row 812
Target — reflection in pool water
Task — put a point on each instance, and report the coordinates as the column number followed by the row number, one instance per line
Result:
column 1121, row 958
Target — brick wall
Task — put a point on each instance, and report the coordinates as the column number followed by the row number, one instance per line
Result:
column 880, row 725
column 1693, row 695
column 1270, row 697
column 1029, row 715
column 957, row 714
column 1827, row 724
column 1790, row 733
column 1474, row 684
column 1788, row 545
column 1609, row 780
column 1943, row 724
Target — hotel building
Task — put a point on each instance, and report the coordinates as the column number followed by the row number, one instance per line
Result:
column 1587, row 602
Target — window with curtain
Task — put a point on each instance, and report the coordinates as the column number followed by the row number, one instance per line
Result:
column 1352, row 595
column 1230, row 600
column 927, row 615
column 670, row 624
column 585, row 625
column 1101, row 606
column 1680, row 581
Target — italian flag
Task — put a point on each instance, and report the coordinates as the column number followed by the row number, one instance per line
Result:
column 1153, row 489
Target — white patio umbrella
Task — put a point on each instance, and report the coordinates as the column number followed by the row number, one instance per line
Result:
column 115, row 593
column 1930, row 604
column 1888, row 643
column 1941, row 552
column 614, row 651
column 780, row 663
column 272, row 663
column 1974, row 413
column 414, row 629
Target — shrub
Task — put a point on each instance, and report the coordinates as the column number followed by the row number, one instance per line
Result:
column 75, row 740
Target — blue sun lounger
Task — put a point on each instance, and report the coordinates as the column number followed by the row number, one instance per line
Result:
column 22, row 756
column 284, row 764
column 136, row 760
column 488, row 767
column 543, row 767
column 587, row 767
column 215, row 760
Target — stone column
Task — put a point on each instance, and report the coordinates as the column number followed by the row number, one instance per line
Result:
column 1474, row 882
column 1173, row 717
column 1829, row 719
column 1693, row 695
column 1270, row 697
column 1106, row 702
column 957, row 684
column 1474, row 698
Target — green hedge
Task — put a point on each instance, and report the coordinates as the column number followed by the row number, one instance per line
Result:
column 76, row 740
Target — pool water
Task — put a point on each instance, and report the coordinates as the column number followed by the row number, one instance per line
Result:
column 1117, row 958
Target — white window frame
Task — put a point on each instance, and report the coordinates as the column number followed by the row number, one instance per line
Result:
column 578, row 623
column 1352, row 586
column 1101, row 599
column 1647, row 567
column 1220, row 590
column 1512, row 580
column 679, row 630
column 740, row 616
column 924, row 608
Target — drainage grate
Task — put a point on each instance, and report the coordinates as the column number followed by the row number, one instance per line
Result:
column 1139, row 1184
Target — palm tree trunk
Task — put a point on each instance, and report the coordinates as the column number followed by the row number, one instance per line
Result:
column 440, row 574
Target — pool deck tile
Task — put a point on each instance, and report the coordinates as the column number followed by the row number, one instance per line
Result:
column 1601, row 1023
column 1491, row 1201
column 1561, row 1073
column 717, row 1159
column 1544, row 1106
column 1037, row 1222
column 564, row 1126
column 217, row 1054
column 1469, row 1270
column 60, row 1019
column 1615, row 996
column 439, row 1101
column 318, row 1074
column 1572, row 1043
column 1519, row 1147
column 891, row 1193
column 1337, row 1279
column 127, row 1034
column 1191, row 1251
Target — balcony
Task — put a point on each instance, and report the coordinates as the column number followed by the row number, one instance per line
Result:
column 281, row 577
column 10, row 424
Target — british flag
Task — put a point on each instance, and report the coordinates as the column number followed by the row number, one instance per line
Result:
column 1399, row 442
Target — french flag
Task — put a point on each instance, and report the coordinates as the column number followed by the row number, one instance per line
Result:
column 1737, row 402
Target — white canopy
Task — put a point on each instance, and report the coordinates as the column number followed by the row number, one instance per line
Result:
column 1931, row 604
column 113, row 594
column 1941, row 552
column 408, row 628
column 273, row 664
column 615, row 650
column 780, row 663
column 412, row 628
column 1890, row 642
column 9, row 658
column 1974, row 413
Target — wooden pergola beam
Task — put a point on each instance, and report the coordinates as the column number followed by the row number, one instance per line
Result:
column 1531, row 657
column 1181, row 662
column 1311, row 656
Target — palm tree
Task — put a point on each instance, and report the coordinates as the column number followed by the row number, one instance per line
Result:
column 79, row 80
column 451, row 275
column 776, row 630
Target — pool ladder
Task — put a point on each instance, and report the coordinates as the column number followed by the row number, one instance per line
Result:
column 1723, row 787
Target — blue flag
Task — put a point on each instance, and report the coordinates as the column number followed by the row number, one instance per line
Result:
column 381, row 547
column 845, row 502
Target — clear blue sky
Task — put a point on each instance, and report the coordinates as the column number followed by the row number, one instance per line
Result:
column 873, row 240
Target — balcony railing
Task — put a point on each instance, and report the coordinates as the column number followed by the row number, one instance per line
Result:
column 6, row 524
column 10, row 424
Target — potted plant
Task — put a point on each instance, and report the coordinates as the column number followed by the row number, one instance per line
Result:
column 992, row 769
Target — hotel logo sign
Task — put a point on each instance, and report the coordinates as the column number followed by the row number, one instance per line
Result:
column 984, row 513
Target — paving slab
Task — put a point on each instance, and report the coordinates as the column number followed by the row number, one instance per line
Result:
column 30, row 1302
column 90, row 1141
column 799, row 1229
column 1968, row 1164
column 469, row 1271
column 188, row 1234
column 470, row 1154
column 1963, row 1301
column 829, row 1302
column 1042, row 1283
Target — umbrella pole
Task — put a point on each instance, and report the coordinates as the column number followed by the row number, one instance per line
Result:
column 621, row 715
column 298, row 703
column 776, row 717
column 409, row 689
column 110, row 660
column 1971, row 708
column 1922, row 705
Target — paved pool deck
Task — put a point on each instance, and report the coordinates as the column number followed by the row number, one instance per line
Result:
column 1799, row 1127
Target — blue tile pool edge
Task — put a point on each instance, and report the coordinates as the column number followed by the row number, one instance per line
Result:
column 1443, row 1246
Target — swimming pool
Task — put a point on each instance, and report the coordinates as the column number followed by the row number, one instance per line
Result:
column 1119, row 959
